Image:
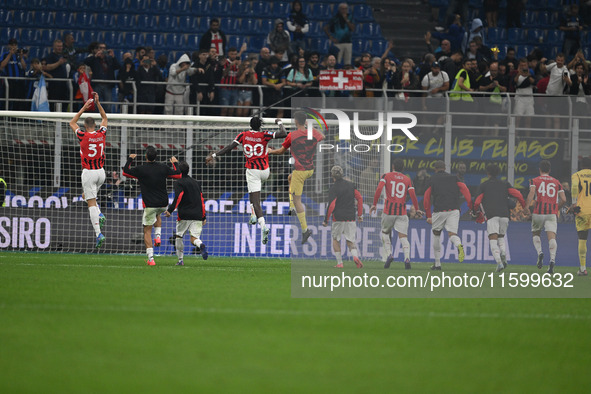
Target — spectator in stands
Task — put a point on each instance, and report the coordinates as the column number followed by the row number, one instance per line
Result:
column 314, row 65
column 71, row 51
column 217, row 63
column 278, row 39
column 103, row 64
column 35, row 74
column 139, row 55
column 475, row 31
column 484, row 53
column 298, row 26
column 442, row 52
column 214, row 38
column 246, row 76
column 55, row 64
column 436, row 82
column 464, row 82
column 404, row 79
column 455, row 35
column 514, row 9
column 202, row 88
column 457, row 8
column 174, row 99
column 127, row 77
column 283, row 64
column 146, row 91
column 524, row 100
column 497, row 85
column 339, row 31
column 571, row 25
column 421, row 182
column 229, row 94
column 580, row 88
column 264, row 61
column 491, row 8
column 13, row 64
column 82, row 86
column 300, row 77
column 272, row 80
column 452, row 64
column 425, row 66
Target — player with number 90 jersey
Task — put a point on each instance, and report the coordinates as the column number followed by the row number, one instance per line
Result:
column 397, row 186
column 547, row 189
column 254, row 145
column 92, row 148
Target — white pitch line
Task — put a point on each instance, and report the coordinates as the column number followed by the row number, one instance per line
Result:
column 202, row 268
column 271, row 312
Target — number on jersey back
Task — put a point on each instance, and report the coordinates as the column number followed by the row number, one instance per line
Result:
column 397, row 186
column 254, row 145
column 92, row 148
column 547, row 189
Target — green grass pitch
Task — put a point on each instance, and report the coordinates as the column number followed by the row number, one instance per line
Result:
column 105, row 324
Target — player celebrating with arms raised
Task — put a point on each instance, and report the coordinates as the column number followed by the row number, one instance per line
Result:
column 394, row 217
column 92, row 155
column 581, row 192
column 254, row 143
column 549, row 196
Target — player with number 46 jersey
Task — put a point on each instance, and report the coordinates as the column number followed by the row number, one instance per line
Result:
column 397, row 187
column 254, row 144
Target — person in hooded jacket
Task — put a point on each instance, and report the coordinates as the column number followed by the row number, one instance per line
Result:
column 175, row 89
column 279, row 39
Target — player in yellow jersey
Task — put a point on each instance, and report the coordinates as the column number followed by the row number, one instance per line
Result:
column 581, row 193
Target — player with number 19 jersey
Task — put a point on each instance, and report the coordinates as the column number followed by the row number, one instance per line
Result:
column 254, row 144
column 397, row 186
column 92, row 148
column 547, row 189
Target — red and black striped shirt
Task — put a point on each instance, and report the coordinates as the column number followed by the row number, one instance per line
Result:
column 254, row 145
column 92, row 148
column 397, row 187
column 547, row 189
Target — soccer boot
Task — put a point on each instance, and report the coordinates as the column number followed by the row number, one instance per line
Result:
column 99, row 240
column 151, row 262
column 461, row 254
column 252, row 220
column 582, row 273
column 389, row 261
column 204, row 253
column 265, row 235
column 504, row 260
column 540, row 260
column 180, row 262
column 339, row 265
column 305, row 235
column 435, row 267
column 551, row 268
column 407, row 264
column 358, row 262
column 500, row 267
column 157, row 242
column 102, row 221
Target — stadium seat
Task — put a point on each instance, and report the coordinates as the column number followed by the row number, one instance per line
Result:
column 54, row 5
column 587, row 52
column 158, row 7
column 23, row 18
column 47, row 36
column 154, row 40
column 200, row 7
column 515, row 35
column 235, row 41
column 267, row 26
column 476, row 3
column 363, row 13
column 106, row 20
column 33, row 4
column 318, row 11
column 555, row 37
column 250, row 26
column 554, row 51
column 321, row 45
column 496, row 35
column 536, row 36
column 192, row 41
column 204, row 23
column 530, row 18
column 378, row 47
column 360, row 46
column 7, row 33
column 126, row 22
column 370, row 29
column 220, row 7
column 28, row 36
column 118, row 6
column 6, row 18
column 88, row 36
column 84, row 20
column 114, row 39
column 98, row 5
column 63, row 18
column 43, row 19
column 523, row 51
column 555, row 5
column 256, row 42
column 174, row 41
column 34, row 52
column 133, row 40
column 147, row 22
column 167, row 23
column 262, row 9
column 316, row 29
column 188, row 23
column 77, row 4
column 280, row 9
column 241, row 9
column 179, row 7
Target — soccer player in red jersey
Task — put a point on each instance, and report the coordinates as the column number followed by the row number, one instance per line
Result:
column 92, row 155
column 549, row 196
column 398, row 188
column 254, row 144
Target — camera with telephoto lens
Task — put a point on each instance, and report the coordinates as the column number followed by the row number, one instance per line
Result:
column 22, row 51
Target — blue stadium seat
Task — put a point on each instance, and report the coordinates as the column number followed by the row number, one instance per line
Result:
column 230, row 25
column 515, row 35
column 241, row 9
column 316, row 29
column 172, row 57
column 554, row 51
column 220, row 7
column 362, row 13
column 204, row 23
column 262, row 9
column 23, row 18
column 159, row 7
column 378, row 47
column 496, row 35
column 370, row 29
column 476, row 3
column 43, row 19
column 318, row 11
column 530, row 18
column 154, row 40
column 6, row 18
column 106, row 20
column 99, row 5
column 175, row 41
column 235, row 41
column 536, row 36
column 47, row 36
column 200, row 7
column 167, row 23
column 256, row 42
column 134, row 6
column 28, row 37
column 88, row 36
column 555, row 37
column 114, row 39
column 78, row 4
column 250, row 26
column 267, row 26
column 188, row 23
column 587, row 52
column 54, row 5
column 147, row 22
column 585, row 38
column 555, row 5
column 534, row 4
column 126, row 22
column 179, row 7
column 281, row 9
column 33, row 4
column 523, row 51
column 84, row 20
column 360, row 46
column 63, row 18
column 34, row 52
column 192, row 41
column 133, row 40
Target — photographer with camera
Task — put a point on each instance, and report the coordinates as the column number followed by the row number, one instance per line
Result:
column 13, row 64
column 103, row 64
column 56, row 65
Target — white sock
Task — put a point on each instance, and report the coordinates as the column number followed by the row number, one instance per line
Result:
column 405, row 247
column 150, row 253
column 261, row 221
column 94, row 219
column 354, row 253
column 455, row 240
column 537, row 243
column 198, row 242
column 501, row 242
column 339, row 257
column 157, row 232
column 387, row 244
column 252, row 210
column 553, row 246
column 179, row 247
column 437, row 250
column 494, row 248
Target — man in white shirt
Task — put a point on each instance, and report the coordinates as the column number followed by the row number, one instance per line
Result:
column 559, row 79
column 436, row 82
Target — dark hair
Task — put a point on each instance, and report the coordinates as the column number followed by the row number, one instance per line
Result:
column 398, row 164
column 151, row 153
column 232, row 49
column 493, row 170
column 586, row 163
column 545, row 166
column 439, row 165
column 300, row 117
column 256, row 123
column 214, row 20
column 183, row 166
column 89, row 122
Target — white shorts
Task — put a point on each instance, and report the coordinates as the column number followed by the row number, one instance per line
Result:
column 194, row 227
column 524, row 108
column 397, row 222
column 150, row 215
column 348, row 229
column 92, row 180
column 448, row 220
column 256, row 178
column 547, row 222
column 497, row 225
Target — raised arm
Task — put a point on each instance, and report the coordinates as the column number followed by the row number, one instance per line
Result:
column 223, row 151
column 466, row 193
column 515, row 193
column 101, row 109
column 74, row 121
column 531, row 195
column 282, row 133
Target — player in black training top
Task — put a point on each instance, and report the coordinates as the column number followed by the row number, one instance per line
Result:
column 493, row 194
column 341, row 206
column 445, row 189
column 152, row 178
column 189, row 203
